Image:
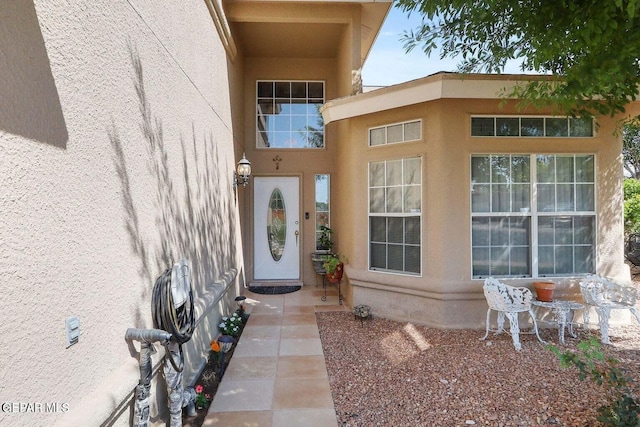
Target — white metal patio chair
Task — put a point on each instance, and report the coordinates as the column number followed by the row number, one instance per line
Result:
column 605, row 295
column 508, row 301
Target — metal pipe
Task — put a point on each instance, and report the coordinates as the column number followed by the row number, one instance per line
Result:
column 178, row 396
column 146, row 337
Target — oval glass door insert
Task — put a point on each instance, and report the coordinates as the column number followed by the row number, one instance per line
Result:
column 276, row 224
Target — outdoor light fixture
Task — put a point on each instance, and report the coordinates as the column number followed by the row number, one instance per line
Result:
column 241, row 176
column 240, row 300
column 225, row 342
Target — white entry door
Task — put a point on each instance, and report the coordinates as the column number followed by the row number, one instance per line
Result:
column 276, row 228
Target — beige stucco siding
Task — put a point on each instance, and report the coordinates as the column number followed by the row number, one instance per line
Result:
column 116, row 154
column 444, row 294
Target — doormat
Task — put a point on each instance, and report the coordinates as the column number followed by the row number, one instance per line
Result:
column 273, row 290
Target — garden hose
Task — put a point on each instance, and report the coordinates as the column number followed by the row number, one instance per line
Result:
column 178, row 321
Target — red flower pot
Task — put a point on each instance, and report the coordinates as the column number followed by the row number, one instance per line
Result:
column 336, row 276
column 544, row 291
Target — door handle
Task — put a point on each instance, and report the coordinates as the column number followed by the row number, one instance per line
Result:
column 297, row 233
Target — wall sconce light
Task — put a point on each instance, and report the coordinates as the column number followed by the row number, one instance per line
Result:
column 241, row 176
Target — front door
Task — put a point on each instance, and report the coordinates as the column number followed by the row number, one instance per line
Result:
column 276, row 228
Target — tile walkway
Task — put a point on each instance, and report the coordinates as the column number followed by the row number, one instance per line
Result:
column 277, row 376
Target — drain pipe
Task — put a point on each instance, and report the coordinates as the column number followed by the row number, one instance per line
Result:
column 146, row 337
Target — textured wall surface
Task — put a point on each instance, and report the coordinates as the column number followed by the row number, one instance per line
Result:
column 116, row 158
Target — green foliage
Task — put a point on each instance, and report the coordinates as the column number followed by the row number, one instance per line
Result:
column 325, row 237
column 631, row 149
column 331, row 263
column 593, row 45
column 231, row 325
column 631, row 205
column 202, row 399
column 631, row 188
column 623, row 409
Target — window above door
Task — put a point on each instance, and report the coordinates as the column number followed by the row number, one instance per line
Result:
column 288, row 114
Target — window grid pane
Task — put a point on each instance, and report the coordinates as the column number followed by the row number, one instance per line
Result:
column 501, row 246
column 482, row 126
column 395, row 133
column 568, row 245
column 288, row 114
column 540, row 127
column 507, row 126
column 323, row 213
column 395, row 192
column 501, row 241
column 395, row 244
column 500, row 184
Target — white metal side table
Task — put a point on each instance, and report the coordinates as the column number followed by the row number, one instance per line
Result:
column 564, row 312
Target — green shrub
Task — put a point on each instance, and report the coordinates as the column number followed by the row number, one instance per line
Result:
column 631, row 187
column 631, row 205
column 623, row 409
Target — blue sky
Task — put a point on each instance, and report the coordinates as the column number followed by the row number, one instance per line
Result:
column 388, row 63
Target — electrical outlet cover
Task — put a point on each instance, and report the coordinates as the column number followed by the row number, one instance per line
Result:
column 72, row 327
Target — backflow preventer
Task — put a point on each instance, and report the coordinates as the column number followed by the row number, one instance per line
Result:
column 172, row 309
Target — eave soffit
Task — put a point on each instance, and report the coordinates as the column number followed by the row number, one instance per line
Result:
column 282, row 29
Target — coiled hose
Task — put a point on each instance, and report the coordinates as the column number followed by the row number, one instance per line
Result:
column 178, row 321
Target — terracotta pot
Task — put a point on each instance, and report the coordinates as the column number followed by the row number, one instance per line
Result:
column 544, row 291
column 336, row 276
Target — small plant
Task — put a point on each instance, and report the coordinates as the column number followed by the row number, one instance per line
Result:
column 331, row 264
column 624, row 409
column 214, row 354
column 231, row 325
column 202, row 399
column 325, row 238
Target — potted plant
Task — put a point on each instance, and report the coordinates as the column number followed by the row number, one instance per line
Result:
column 334, row 268
column 320, row 256
column 325, row 243
column 544, row 290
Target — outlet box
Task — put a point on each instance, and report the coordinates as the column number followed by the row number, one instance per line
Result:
column 72, row 327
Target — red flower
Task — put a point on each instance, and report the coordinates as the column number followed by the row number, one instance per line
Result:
column 199, row 388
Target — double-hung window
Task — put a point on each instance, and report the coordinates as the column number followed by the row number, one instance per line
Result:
column 395, row 212
column 532, row 215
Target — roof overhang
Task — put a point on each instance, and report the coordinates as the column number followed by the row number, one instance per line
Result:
column 303, row 29
column 430, row 88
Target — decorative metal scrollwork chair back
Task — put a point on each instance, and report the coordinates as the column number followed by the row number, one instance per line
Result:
column 508, row 301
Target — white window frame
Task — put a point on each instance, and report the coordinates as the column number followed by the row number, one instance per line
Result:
column 260, row 118
column 315, row 208
column 387, row 215
column 535, row 215
column 386, row 133
column 544, row 129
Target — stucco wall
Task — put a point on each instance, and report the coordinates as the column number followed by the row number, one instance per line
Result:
column 445, row 295
column 116, row 154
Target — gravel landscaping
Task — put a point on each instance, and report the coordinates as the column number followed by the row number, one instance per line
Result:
column 386, row 373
